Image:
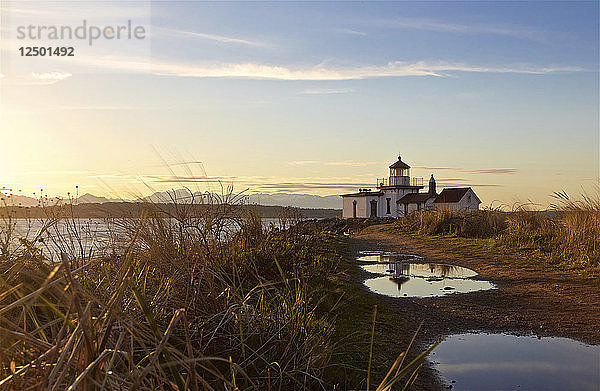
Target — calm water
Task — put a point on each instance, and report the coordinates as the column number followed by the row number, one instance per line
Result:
column 78, row 236
column 505, row 362
column 403, row 275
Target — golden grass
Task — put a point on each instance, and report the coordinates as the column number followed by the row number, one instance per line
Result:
column 181, row 298
column 567, row 235
column 187, row 298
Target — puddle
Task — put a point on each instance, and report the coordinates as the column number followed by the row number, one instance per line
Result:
column 506, row 362
column 403, row 275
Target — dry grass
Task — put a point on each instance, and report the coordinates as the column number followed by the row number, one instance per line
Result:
column 185, row 298
column 567, row 235
column 180, row 298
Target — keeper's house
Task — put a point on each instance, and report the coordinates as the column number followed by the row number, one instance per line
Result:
column 399, row 194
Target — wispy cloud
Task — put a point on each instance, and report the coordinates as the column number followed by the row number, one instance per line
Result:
column 327, row 91
column 349, row 31
column 259, row 71
column 34, row 78
column 423, row 24
column 392, row 69
column 319, row 72
column 493, row 171
column 461, row 182
column 497, row 171
column 206, row 36
column 335, row 163
column 296, row 186
column 47, row 77
column 190, row 179
column 259, row 183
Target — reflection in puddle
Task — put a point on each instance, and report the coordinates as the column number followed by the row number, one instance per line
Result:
column 420, row 287
column 405, row 278
column 421, row 269
column 506, row 362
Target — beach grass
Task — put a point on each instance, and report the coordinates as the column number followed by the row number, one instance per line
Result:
column 180, row 298
column 567, row 235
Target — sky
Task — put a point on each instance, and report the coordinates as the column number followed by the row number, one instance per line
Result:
column 313, row 97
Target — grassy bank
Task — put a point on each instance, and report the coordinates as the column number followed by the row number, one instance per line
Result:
column 182, row 298
column 567, row 237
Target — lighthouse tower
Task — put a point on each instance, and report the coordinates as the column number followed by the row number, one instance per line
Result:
column 399, row 173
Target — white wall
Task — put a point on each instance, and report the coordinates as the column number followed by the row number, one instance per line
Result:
column 394, row 195
column 363, row 204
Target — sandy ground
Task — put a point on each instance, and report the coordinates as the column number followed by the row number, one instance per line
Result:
column 528, row 301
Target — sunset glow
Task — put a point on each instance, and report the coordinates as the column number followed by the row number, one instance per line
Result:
column 309, row 99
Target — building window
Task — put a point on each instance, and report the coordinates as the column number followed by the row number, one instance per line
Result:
column 388, row 205
column 469, row 198
column 354, row 208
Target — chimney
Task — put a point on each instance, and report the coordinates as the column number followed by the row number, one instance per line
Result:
column 432, row 191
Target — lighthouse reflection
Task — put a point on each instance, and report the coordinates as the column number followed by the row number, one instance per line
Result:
column 404, row 275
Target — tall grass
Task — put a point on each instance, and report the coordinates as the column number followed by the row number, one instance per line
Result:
column 187, row 296
column 568, row 234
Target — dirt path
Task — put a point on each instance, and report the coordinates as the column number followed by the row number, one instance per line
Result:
column 528, row 301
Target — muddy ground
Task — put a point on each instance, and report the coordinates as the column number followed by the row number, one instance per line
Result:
column 528, row 301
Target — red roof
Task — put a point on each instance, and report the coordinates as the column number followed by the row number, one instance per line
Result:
column 414, row 198
column 452, row 195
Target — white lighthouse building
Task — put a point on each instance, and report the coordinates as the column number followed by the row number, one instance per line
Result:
column 399, row 194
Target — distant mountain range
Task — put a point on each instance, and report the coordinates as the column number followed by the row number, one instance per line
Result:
column 183, row 196
column 19, row 200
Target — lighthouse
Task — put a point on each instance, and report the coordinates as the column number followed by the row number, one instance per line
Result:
column 399, row 194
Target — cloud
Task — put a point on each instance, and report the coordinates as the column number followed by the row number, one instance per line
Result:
column 392, row 69
column 46, row 78
column 261, row 71
column 34, row 78
column 327, row 91
column 336, row 163
column 206, row 36
column 458, row 28
column 350, row 31
column 493, row 171
column 190, row 179
column 320, row 72
column 264, row 183
column 312, row 186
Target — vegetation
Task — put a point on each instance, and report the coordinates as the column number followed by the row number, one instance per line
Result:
column 179, row 298
column 568, row 235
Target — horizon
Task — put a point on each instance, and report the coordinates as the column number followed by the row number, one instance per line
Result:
column 314, row 98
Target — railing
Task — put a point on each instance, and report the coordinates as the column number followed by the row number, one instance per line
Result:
column 416, row 181
column 399, row 181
